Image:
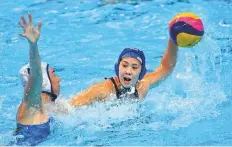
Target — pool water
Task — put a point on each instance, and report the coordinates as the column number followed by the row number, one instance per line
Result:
column 82, row 39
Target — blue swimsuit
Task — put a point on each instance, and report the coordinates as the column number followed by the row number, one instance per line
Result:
column 31, row 135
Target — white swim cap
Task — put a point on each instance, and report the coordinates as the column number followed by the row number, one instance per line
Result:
column 46, row 85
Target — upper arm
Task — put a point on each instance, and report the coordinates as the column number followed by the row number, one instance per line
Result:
column 95, row 92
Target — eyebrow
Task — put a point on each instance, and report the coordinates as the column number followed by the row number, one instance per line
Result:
column 125, row 62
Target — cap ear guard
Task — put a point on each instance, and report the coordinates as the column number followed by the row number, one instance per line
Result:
column 142, row 73
column 116, row 68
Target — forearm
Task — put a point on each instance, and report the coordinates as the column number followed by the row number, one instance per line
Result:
column 94, row 93
column 35, row 63
column 34, row 86
column 79, row 100
column 170, row 56
column 84, row 98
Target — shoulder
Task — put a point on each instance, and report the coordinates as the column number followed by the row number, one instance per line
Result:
column 109, row 84
column 104, row 87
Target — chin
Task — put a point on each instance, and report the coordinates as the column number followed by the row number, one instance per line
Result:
column 57, row 93
column 126, row 85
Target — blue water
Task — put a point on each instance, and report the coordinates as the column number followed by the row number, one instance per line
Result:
column 82, row 39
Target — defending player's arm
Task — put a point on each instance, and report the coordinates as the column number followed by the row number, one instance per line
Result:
column 32, row 92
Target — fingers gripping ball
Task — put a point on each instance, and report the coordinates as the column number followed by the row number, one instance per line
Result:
column 186, row 29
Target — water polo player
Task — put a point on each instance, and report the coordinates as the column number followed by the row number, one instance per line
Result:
column 132, row 79
column 41, row 86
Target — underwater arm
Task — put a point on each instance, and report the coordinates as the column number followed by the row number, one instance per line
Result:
column 167, row 65
column 33, row 88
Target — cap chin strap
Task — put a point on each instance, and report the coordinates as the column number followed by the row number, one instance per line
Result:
column 52, row 95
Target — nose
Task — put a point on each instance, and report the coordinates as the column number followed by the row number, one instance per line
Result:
column 59, row 79
column 128, row 70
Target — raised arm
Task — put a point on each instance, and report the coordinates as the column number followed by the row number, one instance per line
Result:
column 168, row 63
column 33, row 88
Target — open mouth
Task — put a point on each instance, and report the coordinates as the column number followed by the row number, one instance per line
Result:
column 127, row 80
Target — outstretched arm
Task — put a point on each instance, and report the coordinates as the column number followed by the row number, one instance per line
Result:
column 96, row 92
column 33, row 88
column 168, row 63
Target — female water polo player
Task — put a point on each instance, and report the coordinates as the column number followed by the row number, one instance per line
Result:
column 132, row 79
column 41, row 86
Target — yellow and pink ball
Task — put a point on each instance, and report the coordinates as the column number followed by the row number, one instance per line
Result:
column 186, row 29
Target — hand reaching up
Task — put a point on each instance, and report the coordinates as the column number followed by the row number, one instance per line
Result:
column 30, row 32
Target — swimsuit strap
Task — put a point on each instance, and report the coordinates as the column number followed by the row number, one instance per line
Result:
column 115, row 86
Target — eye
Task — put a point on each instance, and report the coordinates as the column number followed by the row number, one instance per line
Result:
column 53, row 72
column 124, row 65
column 135, row 67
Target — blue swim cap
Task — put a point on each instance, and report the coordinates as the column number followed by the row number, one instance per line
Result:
column 133, row 53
